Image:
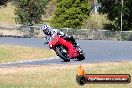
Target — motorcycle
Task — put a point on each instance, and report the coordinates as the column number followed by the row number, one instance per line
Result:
column 65, row 49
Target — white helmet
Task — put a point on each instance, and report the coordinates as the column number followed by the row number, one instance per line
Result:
column 46, row 29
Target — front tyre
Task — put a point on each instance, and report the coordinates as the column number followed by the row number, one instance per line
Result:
column 62, row 53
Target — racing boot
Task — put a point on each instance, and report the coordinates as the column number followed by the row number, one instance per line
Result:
column 76, row 44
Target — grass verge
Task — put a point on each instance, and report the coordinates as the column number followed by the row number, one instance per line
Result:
column 10, row 53
column 60, row 76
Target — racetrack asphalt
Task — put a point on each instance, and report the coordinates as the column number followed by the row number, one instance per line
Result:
column 96, row 51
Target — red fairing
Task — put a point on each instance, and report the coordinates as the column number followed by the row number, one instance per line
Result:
column 60, row 41
column 54, row 42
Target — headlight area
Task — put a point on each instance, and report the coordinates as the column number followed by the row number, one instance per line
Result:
column 50, row 46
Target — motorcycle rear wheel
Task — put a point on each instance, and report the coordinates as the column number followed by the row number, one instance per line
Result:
column 61, row 54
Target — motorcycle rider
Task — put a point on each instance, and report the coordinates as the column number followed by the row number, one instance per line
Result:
column 49, row 33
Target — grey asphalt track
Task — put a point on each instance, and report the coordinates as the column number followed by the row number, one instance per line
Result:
column 96, row 51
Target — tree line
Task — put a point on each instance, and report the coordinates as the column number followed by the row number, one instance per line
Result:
column 73, row 13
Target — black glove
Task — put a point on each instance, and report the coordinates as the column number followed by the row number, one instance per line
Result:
column 46, row 43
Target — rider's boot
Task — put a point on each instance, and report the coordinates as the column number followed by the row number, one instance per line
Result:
column 76, row 44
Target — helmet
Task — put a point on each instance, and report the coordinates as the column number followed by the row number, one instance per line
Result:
column 46, row 29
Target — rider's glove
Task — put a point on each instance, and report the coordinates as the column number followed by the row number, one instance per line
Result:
column 46, row 43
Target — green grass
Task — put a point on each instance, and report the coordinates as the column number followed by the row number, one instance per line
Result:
column 60, row 76
column 10, row 53
column 4, row 53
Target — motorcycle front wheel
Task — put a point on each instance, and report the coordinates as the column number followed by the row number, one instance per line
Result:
column 62, row 53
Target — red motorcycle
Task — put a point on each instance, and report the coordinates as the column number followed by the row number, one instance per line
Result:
column 65, row 49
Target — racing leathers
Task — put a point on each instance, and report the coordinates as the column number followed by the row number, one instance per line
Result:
column 61, row 34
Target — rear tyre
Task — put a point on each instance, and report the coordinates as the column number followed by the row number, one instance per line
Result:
column 63, row 55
